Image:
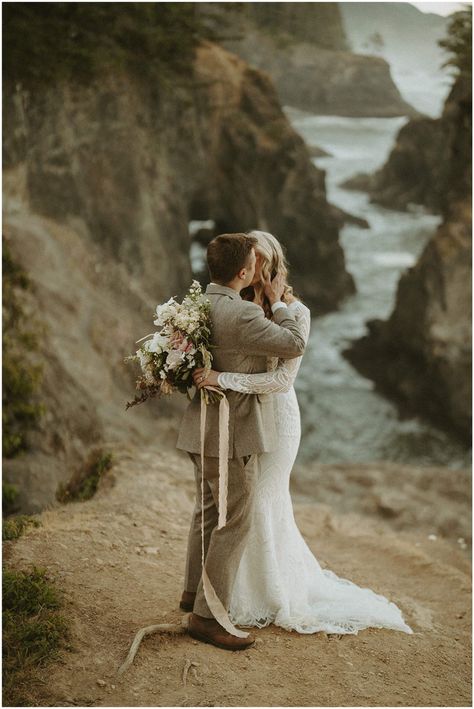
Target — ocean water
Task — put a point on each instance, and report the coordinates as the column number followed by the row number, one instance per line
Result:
column 343, row 418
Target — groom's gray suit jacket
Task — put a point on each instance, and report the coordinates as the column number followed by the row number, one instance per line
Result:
column 242, row 338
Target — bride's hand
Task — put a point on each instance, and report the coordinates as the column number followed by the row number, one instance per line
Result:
column 274, row 289
column 289, row 298
column 200, row 379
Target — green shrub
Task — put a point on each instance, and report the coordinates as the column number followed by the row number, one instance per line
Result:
column 9, row 497
column 14, row 526
column 33, row 631
column 21, row 411
column 83, row 484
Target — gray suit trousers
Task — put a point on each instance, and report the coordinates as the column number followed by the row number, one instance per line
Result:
column 223, row 548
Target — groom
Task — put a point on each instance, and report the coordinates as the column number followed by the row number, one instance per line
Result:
column 242, row 338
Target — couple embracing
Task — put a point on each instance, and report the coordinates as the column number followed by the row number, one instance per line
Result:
column 259, row 565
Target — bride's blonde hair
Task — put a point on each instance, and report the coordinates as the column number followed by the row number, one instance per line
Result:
column 273, row 261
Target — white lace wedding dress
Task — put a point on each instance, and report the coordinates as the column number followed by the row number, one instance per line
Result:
column 279, row 580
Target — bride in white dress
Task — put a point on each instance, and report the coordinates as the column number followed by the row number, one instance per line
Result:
column 279, row 580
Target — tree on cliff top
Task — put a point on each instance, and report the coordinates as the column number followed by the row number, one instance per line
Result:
column 47, row 42
column 459, row 41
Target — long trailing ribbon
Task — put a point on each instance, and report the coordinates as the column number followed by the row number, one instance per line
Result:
column 215, row 605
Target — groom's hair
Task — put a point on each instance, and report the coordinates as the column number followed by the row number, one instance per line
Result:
column 227, row 254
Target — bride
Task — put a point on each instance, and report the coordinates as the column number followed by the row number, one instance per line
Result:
column 279, row 580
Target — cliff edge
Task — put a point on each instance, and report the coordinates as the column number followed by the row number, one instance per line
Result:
column 120, row 558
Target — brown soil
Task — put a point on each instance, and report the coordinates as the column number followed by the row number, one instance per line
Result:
column 120, row 558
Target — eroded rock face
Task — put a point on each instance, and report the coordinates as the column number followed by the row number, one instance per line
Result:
column 133, row 164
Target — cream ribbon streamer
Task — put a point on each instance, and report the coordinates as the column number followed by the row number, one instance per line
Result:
column 142, row 338
column 215, row 605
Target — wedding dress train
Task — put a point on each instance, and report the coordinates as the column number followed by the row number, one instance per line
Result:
column 279, row 580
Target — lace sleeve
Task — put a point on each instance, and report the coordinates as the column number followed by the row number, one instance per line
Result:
column 278, row 380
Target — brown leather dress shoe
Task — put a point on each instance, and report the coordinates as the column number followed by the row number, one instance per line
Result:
column 208, row 630
column 187, row 601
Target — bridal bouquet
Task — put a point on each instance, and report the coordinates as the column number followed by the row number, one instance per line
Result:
column 180, row 345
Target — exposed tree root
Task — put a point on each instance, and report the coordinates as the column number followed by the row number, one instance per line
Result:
column 172, row 628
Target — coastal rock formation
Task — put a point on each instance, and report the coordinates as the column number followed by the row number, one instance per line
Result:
column 319, row 24
column 304, row 49
column 429, row 162
column 408, row 39
column 422, row 355
column 133, row 165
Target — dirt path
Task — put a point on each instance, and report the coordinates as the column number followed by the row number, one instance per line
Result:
column 120, row 559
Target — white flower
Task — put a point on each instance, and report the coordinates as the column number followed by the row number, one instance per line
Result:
column 157, row 344
column 174, row 358
column 165, row 311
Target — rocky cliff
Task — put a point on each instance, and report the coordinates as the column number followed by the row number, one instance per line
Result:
column 134, row 166
column 422, row 355
column 303, row 47
column 319, row 24
column 400, row 32
column 429, row 162
column 101, row 180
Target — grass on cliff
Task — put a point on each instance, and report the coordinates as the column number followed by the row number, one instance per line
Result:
column 14, row 526
column 33, row 632
column 21, row 377
column 85, row 481
column 46, row 42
